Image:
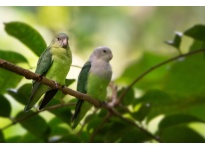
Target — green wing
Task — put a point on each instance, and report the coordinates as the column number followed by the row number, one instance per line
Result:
column 83, row 77
column 43, row 65
column 44, row 62
column 81, row 86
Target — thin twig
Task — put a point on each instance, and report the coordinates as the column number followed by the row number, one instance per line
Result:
column 76, row 66
column 37, row 112
column 153, row 68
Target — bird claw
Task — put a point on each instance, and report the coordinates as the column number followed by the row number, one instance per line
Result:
column 62, row 88
column 40, row 77
column 56, row 85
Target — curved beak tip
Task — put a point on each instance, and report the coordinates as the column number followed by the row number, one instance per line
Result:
column 111, row 56
column 65, row 42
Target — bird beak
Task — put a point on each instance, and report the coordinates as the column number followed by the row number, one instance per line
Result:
column 111, row 56
column 65, row 42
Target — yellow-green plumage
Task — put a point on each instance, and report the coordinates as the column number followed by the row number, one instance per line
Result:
column 93, row 80
column 97, row 86
column 62, row 60
column 54, row 63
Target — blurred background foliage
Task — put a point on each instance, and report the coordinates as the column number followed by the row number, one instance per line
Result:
column 169, row 102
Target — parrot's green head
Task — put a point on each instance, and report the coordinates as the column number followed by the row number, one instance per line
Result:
column 60, row 40
column 104, row 53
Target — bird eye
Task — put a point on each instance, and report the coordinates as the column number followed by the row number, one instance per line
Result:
column 58, row 39
column 104, row 51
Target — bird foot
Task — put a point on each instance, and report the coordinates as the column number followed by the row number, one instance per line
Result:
column 40, row 78
column 56, row 85
column 62, row 88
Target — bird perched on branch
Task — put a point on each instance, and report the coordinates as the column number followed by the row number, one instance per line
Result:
column 93, row 80
column 54, row 63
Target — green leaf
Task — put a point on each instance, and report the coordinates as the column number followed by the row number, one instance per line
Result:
column 151, row 80
column 58, row 130
column 26, row 138
column 69, row 81
column 115, row 130
column 59, row 133
column 129, row 97
column 181, row 134
column 119, row 131
column 5, row 107
column 164, row 103
column 34, row 124
column 196, row 32
column 63, row 113
column 159, row 102
column 56, row 127
column 102, row 112
column 177, row 119
column 27, row 35
column 70, row 138
column 2, row 140
column 186, row 76
column 197, row 45
column 22, row 94
column 93, row 121
column 142, row 113
column 177, row 40
column 30, row 138
column 195, row 107
column 12, row 57
column 13, row 139
column 8, row 80
column 133, row 135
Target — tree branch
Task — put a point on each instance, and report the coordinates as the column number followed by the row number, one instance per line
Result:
column 30, row 75
column 153, row 68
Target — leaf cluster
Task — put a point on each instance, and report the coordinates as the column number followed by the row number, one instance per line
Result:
column 172, row 96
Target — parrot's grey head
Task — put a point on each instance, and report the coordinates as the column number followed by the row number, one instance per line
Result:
column 60, row 40
column 103, row 53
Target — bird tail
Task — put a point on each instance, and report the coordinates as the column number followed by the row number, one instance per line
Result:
column 37, row 91
column 80, row 111
column 46, row 99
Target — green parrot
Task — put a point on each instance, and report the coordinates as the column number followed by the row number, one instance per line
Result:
column 93, row 80
column 54, row 63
